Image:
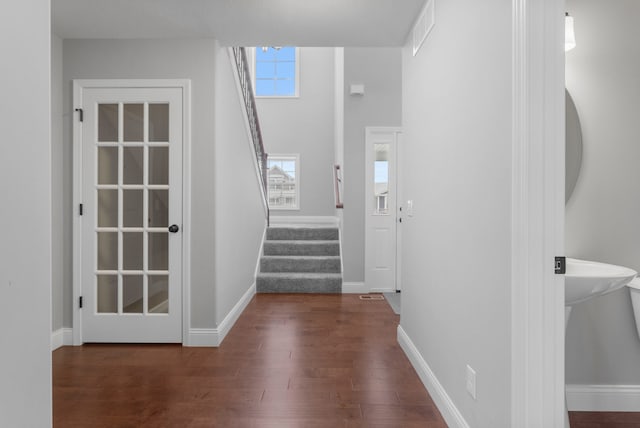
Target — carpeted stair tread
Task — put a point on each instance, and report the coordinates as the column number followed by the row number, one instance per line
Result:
column 301, row 248
column 304, row 257
column 299, row 275
column 302, row 233
column 301, row 242
column 299, row 283
column 328, row 264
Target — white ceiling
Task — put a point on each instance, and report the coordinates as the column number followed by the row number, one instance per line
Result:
column 241, row 22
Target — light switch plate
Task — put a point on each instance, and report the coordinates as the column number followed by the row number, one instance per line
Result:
column 356, row 89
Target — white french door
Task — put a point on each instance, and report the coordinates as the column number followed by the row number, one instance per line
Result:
column 131, row 219
column 381, row 209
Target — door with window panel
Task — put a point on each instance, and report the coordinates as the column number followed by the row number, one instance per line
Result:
column 132, row 214
column 381, row 215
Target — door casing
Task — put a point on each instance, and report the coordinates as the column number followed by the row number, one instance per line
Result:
column 78, row 87
column 370, row 133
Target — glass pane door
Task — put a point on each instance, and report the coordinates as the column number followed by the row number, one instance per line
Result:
column 133, row 197
column 381, row 178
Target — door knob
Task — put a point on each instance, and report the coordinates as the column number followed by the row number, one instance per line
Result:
column 174, row 228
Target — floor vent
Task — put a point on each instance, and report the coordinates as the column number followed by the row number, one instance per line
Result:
column 372, row 297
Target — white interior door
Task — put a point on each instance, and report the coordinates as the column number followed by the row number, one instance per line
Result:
column 381, row 213
column 132, row 215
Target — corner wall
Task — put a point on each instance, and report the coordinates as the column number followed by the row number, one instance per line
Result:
column 457, row 110
column 25, row 188
column 57, row 180
column 602, row 75
column 240, row 215
column 380, row 70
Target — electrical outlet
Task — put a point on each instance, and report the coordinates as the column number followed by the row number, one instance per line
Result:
column 471, row 381
column 410, row 208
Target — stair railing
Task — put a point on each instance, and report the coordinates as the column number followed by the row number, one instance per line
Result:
column 244, row 75
column 337, row 180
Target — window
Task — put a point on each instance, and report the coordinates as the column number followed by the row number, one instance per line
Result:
column 381, row 178
column 276, row 71
column 283, row 172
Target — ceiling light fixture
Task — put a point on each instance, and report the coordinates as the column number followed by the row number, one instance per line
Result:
column 569, row 35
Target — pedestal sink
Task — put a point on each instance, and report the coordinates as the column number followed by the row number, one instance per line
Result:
column 585, row 280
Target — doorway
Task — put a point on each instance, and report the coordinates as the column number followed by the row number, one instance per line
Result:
column 128, row 234
column 381, row 205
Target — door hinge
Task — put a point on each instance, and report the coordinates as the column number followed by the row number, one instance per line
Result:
column 80, row 302
column 81, row 114
column 561, row 265
column 81, row 209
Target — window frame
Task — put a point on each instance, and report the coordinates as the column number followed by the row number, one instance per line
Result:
column 289, row 157
column 254, row 63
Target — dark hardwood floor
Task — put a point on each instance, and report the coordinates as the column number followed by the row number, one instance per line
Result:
column 604, row 419
column 290, row 361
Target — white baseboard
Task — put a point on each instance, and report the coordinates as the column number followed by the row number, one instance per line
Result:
column 382, row 290
column 202, row 337
column 276, row 220
column 198, row 337
column 354, row 288
column 260, row 252
column 234, row 314
column 603, row 398
column 448, row 409
column 213, row 337
column 361, row 288
column 61, row 337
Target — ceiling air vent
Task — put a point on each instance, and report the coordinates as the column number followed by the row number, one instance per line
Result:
column 423, row 26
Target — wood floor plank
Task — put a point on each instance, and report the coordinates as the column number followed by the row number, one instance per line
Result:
column 399, row 412
column 604, row 419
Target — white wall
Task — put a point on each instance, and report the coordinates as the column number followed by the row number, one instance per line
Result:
column 240, row 216
column 305, row 125
column 603, row 77
column 57, row 180
column 457, row 169
column 380, row 70
column 25, row 247
column 162, row 59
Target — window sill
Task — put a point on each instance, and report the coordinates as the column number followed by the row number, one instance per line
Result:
column 277, row 97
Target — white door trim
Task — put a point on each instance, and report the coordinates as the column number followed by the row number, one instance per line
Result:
column 78, row 87
column 537, row 295
column 370, row 131
column 399, row 207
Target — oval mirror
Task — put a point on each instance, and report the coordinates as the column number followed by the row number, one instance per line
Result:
column 573, row 146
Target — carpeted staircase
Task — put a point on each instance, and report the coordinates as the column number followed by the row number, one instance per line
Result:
column 300, row 260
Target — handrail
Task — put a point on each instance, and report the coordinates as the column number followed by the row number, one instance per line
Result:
column 242, row 66
column 337, row 181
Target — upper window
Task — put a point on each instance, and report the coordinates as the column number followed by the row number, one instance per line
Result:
column 276, row 73
column 284, row 182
